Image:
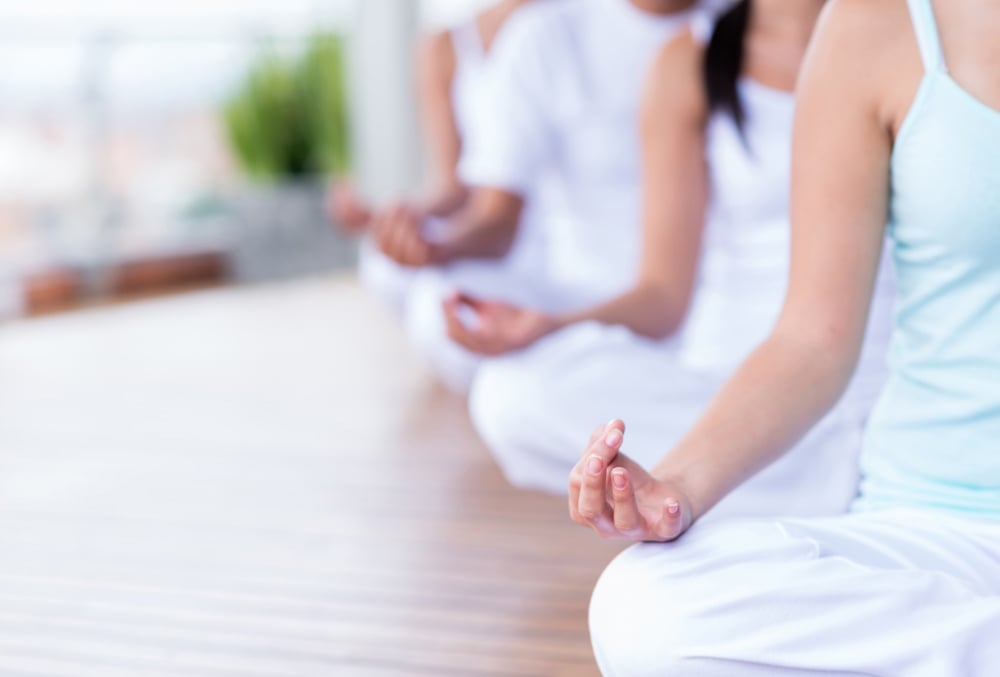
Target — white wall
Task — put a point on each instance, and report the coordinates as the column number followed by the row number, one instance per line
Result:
column 439, row 13
column 385, row 126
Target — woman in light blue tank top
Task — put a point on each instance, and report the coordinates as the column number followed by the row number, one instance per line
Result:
column 898, row 132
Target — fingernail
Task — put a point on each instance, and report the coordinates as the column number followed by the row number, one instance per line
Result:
column 673, row 507
column 613, row 439
column 595, row 465
column 618, row 479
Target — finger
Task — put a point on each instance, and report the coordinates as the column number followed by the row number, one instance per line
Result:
column 422, row 255
column 671, row 523
column 574, row 494
column 608, row 445
column 618, row 424
column 593, row 501
column 391, row 238
column 419, row 247
column 471, row 301
column 597, row 432
column 410, row 245
column 380, row 231
column 627, row 518
column 458, row 332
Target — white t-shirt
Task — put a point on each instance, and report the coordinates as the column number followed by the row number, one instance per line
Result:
column 566, row 79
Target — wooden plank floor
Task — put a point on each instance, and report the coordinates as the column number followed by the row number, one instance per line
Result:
column 264, row 481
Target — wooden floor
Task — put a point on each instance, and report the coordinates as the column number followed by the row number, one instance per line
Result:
column 264, row 481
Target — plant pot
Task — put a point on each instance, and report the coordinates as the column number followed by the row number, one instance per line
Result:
column 281, row 230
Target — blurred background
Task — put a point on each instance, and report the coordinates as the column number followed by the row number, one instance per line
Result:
column 219, row 456
column 153, row 148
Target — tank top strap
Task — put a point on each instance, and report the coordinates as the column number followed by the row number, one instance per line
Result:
column 928, row 39
column 468, row 43
column 701, row 27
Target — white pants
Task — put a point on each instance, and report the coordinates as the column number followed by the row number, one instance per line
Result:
column 893, row 594
column 416, row 296
column 536, row 409
column 385, row 278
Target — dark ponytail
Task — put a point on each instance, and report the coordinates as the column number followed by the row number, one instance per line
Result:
column 724, row 62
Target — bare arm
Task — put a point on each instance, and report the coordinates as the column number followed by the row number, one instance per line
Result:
column 435, row 75
column 674, row 195
column 841, row 166
column 485, row 228
column 675, row 192
column 482, row 221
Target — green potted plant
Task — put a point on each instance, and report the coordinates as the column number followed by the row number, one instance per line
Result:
column 287, row 125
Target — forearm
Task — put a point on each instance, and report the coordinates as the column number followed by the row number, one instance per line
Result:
column 445, row 198
column 645, row 309
column 474, row 240
column 771, row 401
column 484, row 229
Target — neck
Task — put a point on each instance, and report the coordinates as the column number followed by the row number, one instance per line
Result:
column 795, row 18
column 662, row 7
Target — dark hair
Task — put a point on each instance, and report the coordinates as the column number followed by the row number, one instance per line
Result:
column 724, row 61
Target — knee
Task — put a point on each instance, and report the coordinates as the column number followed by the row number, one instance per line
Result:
column 635, row 629
column 500, row 410
column 427, row 331
column 675, row 608
column 383, row 277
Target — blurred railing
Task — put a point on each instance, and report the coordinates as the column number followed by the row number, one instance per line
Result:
column 112, row 149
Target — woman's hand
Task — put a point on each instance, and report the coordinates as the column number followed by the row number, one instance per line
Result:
column 397, row 231
column 494, row 327
column 346, row 209
column 617, row 498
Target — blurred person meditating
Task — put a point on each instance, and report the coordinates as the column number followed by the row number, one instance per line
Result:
column 717, row 127
column 564, row 91
column 898, row 132
column 405, row 237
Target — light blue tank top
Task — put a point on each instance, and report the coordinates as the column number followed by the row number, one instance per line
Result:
column 933, row 440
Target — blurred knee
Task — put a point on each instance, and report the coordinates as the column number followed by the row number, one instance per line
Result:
column 427, row 331
column 500, row 408
column 383, row 277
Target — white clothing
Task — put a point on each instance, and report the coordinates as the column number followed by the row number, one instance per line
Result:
column 743, row 271
column 746, row 246
column 889, row 594
column 567, row 78
column 470, row 60
column 385, row 278
column 416, row 294
column 555, row 120
column 536, row 408
column 424, row 319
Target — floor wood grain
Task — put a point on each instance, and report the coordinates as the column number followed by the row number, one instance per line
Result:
column 264, row 481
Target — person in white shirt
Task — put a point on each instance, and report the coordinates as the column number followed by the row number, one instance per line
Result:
column 716, row 181
column 559, row 123
column 405, row 244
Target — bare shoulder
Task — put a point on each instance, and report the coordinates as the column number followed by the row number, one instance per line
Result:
column 863, row 29
column 674, row 83
column 870, row 47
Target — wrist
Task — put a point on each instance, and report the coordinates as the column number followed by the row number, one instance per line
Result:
column 441, row 253
column 557, row 322
column 683, row 483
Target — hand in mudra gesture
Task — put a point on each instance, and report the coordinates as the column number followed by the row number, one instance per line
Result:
column 618, row 498
column 493, row 327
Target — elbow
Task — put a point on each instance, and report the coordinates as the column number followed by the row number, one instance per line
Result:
column 829, row 353
column 502, row 241
column 656, row 329
column 448, row 196
column 661, row 313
